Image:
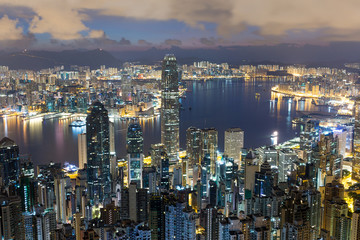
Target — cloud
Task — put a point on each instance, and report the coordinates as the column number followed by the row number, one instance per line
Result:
column 276, row 20
column 172, row 42
column 144, row 42
column 96, row 34
column 9, row 29
column 208, row 41
column 124, row 41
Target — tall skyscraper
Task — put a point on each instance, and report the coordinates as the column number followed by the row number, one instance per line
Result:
column 9, row 161
column 82, row 149
column 98, row 153
column 170, row 106
column 135, row 154
column 355, row 225
column 209, row 146
column 193, row 145
column 12, row 226
column 356, row 161
column 234, row 142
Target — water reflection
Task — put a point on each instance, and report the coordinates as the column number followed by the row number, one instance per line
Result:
column 220, row 103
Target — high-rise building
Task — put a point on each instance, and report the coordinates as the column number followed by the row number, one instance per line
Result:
column 98, row 153
column 170, row 106
column 356, row 148
column 12, row 226
column 193, row 145
column 179, row 222
column 9, row 161
column 60, row 184
column 135, row 154
column 264, row 181
column 82, row 149
column 27, row 193
column 156, row 153
column 209, row 146
column 157, row 217
column 355, row 225
column 234, row 142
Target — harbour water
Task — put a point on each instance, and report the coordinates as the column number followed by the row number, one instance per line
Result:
column 221, row 104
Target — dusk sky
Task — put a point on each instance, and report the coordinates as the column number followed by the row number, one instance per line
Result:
column 140, row 24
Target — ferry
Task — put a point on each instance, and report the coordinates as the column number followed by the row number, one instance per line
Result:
column 78, row 123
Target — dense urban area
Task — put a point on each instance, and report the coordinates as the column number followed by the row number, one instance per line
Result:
column 306, row 188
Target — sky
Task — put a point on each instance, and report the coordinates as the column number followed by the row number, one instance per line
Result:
column 142, row 24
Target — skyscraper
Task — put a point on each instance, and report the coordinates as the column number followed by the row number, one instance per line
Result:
column 9, row 161
column 356, row 161
column 82, row 149
column 193, row 145
column 12, row 226
column 135, row 155
column 209, row 146
column 98, row 153
column 234, row 142
column 170, row 106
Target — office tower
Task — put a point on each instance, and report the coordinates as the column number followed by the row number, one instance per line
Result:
column 27, row 193
column 82, row 149
column 356, row 148
column 264, row 181
column 170, row 107
column 209, row 146
column 164, row 172
column 156, row 153
column 213, row 193
column 134, row 145
column 134, row 203
column 12, row 225
column 234, row 142
column 9, row 161
column 157, row 217
column 193, row 145
column 355, row 226
column 269, row 154
column 142, row 202
column 286, row 159
column 124, row 204
column 98, row 153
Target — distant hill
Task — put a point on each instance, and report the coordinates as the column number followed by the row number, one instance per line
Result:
column 332, row 55
column 37, row 60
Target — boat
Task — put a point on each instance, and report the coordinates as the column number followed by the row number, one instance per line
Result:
column 78, row 123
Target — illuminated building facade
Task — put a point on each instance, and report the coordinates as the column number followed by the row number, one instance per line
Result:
column 9, row 161
column 135, row 155
column 170, row 106
column 98, row 153
column 209, row 146
column 193, row 145
column 234, row 142
column 356, row 148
